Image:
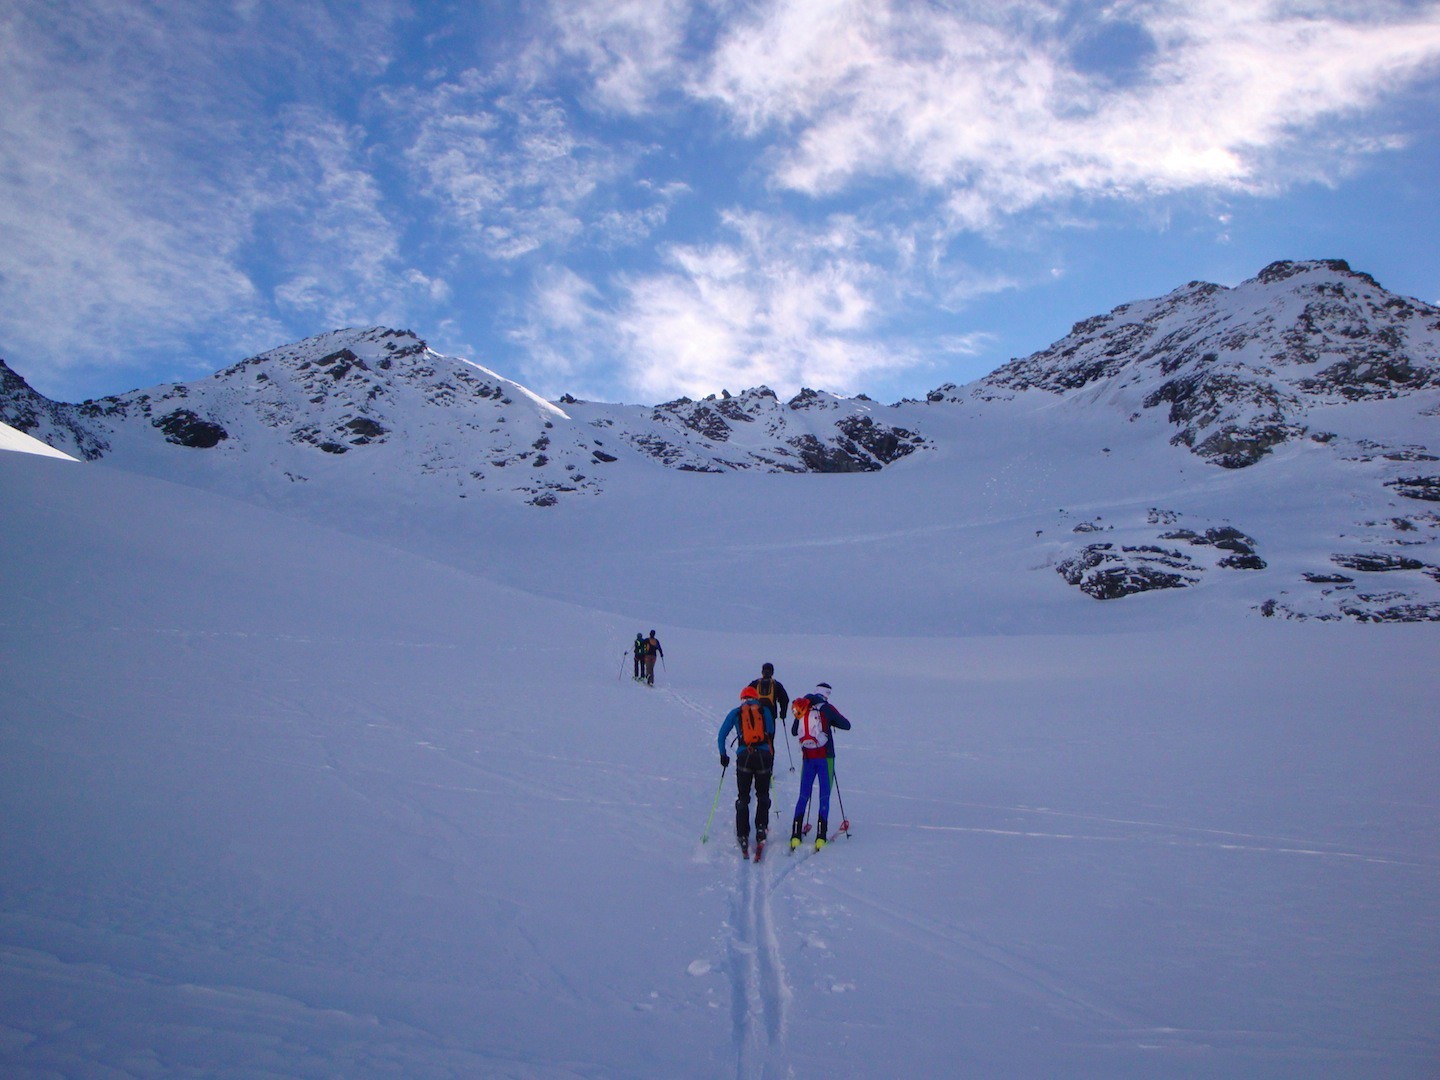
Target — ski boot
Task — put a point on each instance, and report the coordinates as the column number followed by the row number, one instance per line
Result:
column 796, row 828
column 819, row 833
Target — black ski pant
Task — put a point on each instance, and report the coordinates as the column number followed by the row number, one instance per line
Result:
column 753, row 767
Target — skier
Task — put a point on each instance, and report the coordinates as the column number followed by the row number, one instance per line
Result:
column 754, row 726
column 639, row 651
column 815, row 719
column 772, row 691
column 652, row 650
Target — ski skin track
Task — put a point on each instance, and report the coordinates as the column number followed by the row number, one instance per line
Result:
column 759, row 989
column 760, row 994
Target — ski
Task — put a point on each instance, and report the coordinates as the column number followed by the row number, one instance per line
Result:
column 759, row 850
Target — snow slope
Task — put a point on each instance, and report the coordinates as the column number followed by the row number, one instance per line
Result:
column 20, row 443
column 282, row 800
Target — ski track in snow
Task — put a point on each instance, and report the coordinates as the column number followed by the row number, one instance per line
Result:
column 1154, row 832
column 1031, row 834
column 705, row 717
column 759, row 991
column 967, row 950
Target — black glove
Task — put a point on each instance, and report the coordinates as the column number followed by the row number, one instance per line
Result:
column 724, row 761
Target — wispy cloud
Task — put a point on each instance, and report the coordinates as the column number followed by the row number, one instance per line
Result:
column 137, row 157
column 338, row 243
column 622, row 228
column 633, row 51
column 203, row 179
column 1001, row 109
column 106, row 224
column 506, row 166
column 564, row 335
column 778, row 303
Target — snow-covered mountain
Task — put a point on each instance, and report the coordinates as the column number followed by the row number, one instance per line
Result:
column 323, row 760
column 1283, row 430
column 395, row 409
column 1306, row 354
column 1240, row 371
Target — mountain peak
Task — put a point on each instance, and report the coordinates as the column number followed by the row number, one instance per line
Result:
column 1285, row 269
column 1241, row 369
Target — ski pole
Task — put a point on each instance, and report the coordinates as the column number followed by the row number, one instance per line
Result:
column 788, row 754
column 705, row 837
column 620, row 675
column 835, row 782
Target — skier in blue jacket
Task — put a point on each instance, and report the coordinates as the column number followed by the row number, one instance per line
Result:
column 754, row 727
column 815, row 718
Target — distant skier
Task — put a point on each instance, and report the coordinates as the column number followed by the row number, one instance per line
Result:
column 814, row 720
column 754, row 726
column 652, row 651
column 639, row 650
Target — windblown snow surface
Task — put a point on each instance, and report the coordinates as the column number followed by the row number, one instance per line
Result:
column 370, row 792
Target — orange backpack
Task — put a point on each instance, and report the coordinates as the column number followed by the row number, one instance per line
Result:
column 752, row 724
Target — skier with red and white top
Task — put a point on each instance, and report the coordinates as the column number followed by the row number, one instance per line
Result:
column 814, row 720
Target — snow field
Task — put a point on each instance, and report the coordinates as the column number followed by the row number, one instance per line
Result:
column 282, row 801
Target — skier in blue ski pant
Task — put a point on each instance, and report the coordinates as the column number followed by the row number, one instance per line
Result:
column 824, row 718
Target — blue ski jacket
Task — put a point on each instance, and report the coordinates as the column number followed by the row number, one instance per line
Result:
column 732, row 724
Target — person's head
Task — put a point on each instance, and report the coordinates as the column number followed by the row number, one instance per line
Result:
column 823, row 690
column 652, row 633
column 767, row 670
column 749, row 694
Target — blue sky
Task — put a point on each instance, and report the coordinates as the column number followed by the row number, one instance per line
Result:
column 630, row 200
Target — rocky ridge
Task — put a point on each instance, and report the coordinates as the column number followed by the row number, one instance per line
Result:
column 1306, row 362
column 1240, row 371
column 382, row 397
